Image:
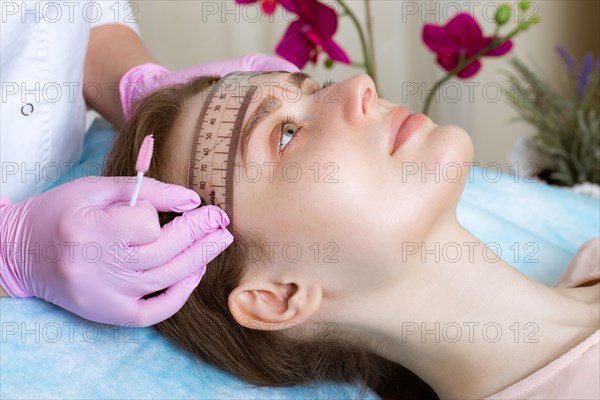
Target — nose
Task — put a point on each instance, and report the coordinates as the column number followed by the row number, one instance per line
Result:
column 358, row 95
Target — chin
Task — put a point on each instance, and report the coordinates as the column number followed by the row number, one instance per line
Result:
column 451, row 145
column 452, row 148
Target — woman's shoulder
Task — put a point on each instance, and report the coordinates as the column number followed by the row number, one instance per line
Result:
column 584, row 268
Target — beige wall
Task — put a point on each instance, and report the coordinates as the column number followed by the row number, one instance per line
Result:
column 184, row 33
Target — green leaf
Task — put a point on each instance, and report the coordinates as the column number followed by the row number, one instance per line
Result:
column 568, row 127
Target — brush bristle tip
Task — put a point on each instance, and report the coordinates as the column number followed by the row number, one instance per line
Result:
column 145, row 154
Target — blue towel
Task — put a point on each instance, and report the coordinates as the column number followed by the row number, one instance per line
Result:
column 535, row 227
column 47, row 352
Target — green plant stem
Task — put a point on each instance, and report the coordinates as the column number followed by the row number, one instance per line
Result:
column 361, row 35
column 465, row 63
column 496, row 31
column 370, row 36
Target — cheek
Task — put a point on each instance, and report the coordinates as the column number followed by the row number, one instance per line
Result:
column 316, row 202
column 426, row 184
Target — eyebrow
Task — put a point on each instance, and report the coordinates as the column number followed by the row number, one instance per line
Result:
column 265, row 109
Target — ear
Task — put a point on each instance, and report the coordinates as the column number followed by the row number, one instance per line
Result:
column 270, row 305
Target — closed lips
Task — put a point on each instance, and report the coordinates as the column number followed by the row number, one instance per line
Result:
column 398, row 116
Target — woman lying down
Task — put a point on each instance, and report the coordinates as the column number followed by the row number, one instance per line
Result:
column 337, row 270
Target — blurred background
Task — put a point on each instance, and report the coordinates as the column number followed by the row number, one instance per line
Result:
column 184, row 33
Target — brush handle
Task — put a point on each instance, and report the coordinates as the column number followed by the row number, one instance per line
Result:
column 136, row 189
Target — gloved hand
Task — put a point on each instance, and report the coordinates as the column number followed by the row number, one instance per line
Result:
column 82, row 247
column 145, row 78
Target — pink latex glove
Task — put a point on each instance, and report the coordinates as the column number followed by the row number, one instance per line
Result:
column 82, row 247
column 145, row 78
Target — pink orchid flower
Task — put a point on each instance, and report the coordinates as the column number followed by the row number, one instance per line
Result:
column 268, row 6
column 461, row 35
column 311, row 33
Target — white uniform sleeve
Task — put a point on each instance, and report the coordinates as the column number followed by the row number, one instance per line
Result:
column 114, row 12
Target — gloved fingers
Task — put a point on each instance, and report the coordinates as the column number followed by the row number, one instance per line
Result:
column 217, row 68
column 250, row 62
column 164, row 196
column 168, row 197
column 163, row 306
column 131, row 85
column 190, row 260
column 125, row 224
column 179, row 234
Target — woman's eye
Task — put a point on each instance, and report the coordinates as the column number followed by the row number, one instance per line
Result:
column 288, row 132
column 290, row 126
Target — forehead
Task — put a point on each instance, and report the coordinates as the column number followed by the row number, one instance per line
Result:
column 264, row 84
column 236, row 82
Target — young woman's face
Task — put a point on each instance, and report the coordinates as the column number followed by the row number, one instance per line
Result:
column 332, row 190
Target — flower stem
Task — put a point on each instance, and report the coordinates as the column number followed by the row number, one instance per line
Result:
column 496, row 31
column 465, row 63
column 363, row 42
column 370, row 36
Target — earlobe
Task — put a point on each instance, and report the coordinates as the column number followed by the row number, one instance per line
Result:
column 275, row 305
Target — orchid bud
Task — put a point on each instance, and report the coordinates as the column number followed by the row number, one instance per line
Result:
column 328, row 63
column 524, row 5
column 503, row 14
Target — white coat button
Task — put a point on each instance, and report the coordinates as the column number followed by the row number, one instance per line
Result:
column 27, row 109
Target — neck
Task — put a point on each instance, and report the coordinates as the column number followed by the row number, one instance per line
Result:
column 472, row 326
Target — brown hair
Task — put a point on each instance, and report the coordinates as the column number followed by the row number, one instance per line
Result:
column 205, row 326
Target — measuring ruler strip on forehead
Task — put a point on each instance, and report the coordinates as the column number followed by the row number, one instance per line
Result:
column 212, row 157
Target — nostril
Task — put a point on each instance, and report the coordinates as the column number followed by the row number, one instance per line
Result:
column 367, row 99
